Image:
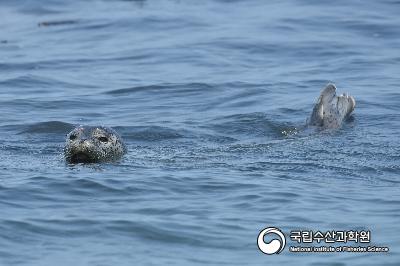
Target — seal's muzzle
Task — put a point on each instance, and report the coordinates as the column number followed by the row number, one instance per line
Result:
column 81, row 157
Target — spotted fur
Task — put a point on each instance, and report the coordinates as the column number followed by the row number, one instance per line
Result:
column 330, row 109
column 87, row 144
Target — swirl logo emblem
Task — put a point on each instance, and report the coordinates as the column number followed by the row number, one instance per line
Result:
column 275, row 246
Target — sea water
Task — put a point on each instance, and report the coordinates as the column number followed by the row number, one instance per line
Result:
column 211, row 98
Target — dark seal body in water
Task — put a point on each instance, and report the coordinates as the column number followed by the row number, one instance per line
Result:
column 331, row 110
column 87, row 144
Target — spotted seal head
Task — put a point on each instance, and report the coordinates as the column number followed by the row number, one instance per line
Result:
column 86, row 144
column 331, row 110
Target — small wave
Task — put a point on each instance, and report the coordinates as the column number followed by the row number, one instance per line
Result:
column 33, row 228
column 55, row 127
column 252, row 125
column 32, row 81
column 86, row 186
column 167, row 233
column 57, row 23
column 185, row 88
column 151, row 133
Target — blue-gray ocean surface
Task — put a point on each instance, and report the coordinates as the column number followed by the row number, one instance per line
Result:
column 211, row 98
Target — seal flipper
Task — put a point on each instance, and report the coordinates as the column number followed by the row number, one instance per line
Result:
column 325, row 98
column 317, row 115
column 328, row 94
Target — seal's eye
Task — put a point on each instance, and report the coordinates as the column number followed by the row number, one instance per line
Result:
column 72, row 137
column 103, row 139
